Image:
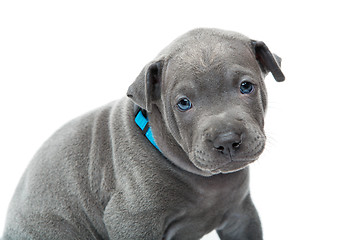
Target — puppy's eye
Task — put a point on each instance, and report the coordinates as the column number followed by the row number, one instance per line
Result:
column 246, row 87
column 184, row 104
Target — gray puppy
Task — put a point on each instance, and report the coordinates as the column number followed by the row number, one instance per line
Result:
column 108, row 175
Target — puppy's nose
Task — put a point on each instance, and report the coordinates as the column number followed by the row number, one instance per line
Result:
column 228, row 143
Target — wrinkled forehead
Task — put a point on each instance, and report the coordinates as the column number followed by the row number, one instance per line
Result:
column 215, row 60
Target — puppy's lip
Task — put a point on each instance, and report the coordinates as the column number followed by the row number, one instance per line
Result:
column 242, row 158
column 227, row 168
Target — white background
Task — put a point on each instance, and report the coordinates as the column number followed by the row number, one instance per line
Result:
column 59, row 59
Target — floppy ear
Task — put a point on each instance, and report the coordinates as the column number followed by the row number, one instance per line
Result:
column 268, row 62
column 147, row 87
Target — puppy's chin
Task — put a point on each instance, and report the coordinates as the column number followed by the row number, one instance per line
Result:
column 211, row 165
column 226, row 168
column 231, row 167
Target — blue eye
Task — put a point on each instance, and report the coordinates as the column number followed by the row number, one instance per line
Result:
column 246, row 87
column 184, row 104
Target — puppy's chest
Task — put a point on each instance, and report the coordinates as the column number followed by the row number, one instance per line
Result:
column 191, row 221
column 198, row 211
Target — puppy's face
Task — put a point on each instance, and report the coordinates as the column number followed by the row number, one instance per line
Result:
column 206, row 100
column 216, row 100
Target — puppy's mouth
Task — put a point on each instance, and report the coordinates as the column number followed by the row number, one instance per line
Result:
column 232, row 166
column 216, row 162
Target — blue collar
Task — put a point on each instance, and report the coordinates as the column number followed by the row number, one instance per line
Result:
column 144, row 125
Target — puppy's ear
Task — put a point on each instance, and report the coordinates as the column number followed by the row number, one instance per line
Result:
column 147, row 87
column 268, row 62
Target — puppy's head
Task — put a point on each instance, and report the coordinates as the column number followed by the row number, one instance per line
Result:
column 206, row 100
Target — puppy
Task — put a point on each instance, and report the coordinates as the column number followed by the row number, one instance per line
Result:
column 168, row 162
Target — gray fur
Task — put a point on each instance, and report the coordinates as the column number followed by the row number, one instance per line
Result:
column 98, row 177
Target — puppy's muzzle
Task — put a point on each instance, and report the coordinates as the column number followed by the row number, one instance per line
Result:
column 232, row 139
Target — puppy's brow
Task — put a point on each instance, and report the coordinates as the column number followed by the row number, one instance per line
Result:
column 237, row 70
column 180, row 88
